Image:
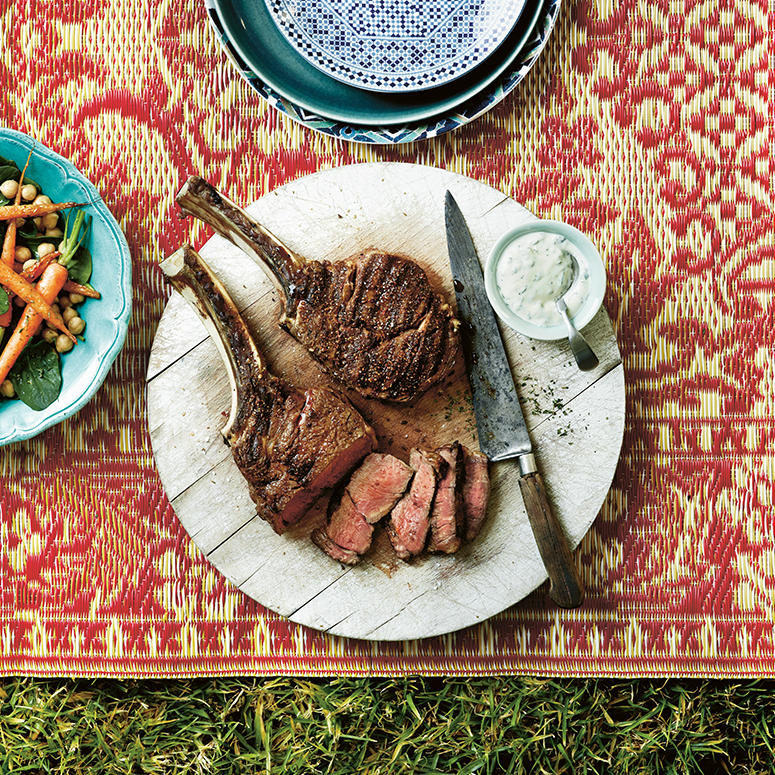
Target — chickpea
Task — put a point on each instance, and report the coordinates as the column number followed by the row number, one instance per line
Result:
column 45, row 249
column 68, row 313
column 76, row 325
column 7, row 389
column 19, row 302
column 29, row 192
column 22, row 254
column 28, row 264
column 64, row 344
column 54, row 233
column 50, row 335
column 9, row 188
column 50, row 220
column 65, row 301
column 77, row 298
column 42, row 199
column 38, row 222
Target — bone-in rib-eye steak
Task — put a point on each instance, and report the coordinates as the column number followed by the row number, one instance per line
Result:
column 372, row 321
column 290, row 445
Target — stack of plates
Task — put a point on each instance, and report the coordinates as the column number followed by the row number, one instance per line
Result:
column 383, row 71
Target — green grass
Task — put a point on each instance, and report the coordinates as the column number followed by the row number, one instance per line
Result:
column 412, row 725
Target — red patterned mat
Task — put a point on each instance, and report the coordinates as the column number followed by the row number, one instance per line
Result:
column 647, row 125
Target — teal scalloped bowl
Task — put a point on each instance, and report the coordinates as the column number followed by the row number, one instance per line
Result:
column 85, row 367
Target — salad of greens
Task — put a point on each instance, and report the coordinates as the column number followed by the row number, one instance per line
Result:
column 44, row 281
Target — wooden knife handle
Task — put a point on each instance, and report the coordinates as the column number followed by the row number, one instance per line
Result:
column 565, row 586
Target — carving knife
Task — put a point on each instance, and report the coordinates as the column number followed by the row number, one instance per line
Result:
column 501, row 426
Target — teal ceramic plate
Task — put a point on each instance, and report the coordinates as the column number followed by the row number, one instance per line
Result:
column 85, row 367
column 264, row 56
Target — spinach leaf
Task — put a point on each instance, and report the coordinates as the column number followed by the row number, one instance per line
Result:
column 34, row 243
column 8, row 172
column 79, row 268
column 36, row 376
column 4, row 302
column 28, row 231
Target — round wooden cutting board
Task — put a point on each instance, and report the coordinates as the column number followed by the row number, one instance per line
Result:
column 576, row 420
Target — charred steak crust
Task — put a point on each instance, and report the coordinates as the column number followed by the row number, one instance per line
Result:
column 372, row 321
column 290, row 445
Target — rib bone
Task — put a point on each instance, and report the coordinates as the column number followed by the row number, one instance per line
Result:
column 289, row 445
column 372, row 320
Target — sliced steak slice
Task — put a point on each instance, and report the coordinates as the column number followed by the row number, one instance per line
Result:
column 446, row 513
column 409, row 520
column 338, row 553
column 372, row 321
column 347, row 528
column 377, row 485
column 290, row 445
column 371, row 493
column 475, row 491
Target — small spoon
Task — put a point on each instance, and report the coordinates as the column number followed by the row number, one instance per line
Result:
column 582, row 352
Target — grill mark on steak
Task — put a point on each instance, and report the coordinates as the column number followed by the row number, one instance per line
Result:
column 374, row 488
column 290, row 445
column 372, row 321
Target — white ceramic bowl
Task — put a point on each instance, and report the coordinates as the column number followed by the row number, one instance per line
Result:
column 587, row 254
column 85, row 367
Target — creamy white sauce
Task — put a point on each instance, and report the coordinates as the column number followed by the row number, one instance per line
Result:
column 534, row 270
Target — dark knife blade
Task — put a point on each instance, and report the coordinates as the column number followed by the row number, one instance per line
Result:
column 500, row 424
column 499, row 421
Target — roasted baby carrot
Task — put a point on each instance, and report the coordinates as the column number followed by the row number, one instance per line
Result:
column 9, row 243
column 29, row 294
column 9, row 250
column 36, row 270
column 85, row 290
column 49, row 285
column 34, row 211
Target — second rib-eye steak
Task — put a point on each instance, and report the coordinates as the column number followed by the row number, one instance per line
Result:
column 290, row 445
column 372, row 321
